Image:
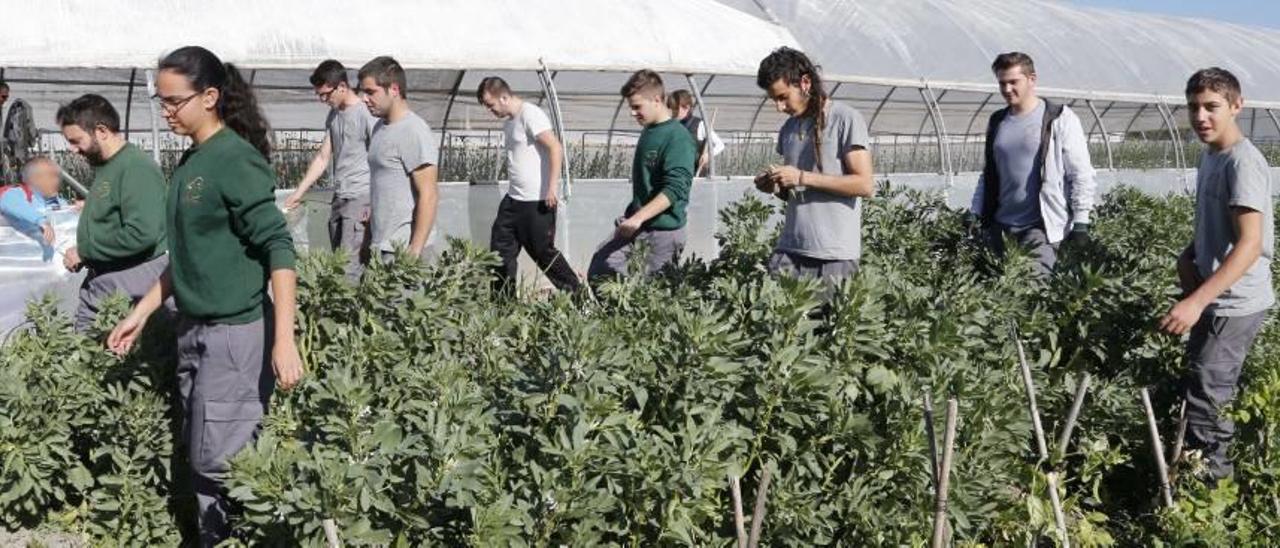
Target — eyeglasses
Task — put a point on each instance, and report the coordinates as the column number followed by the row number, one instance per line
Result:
column 170, row 105
column 325, row 95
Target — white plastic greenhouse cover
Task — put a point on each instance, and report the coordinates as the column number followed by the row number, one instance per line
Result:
column 1080, row 52
column 700, row 36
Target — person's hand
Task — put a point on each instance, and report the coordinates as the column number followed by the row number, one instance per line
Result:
column 628, row 228
column 765, row 184
column 1182, row 317
column 47, row 230
column 551, row 201
column 1079, row 234
column 71, row 260
column 785, row 176
column 287, row 363
column 294, row 200
column 126, row 333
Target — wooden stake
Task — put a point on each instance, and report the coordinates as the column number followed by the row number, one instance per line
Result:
column 1157, row 449
column 1176, row 454
column 739, row 522
column 933, row 441
column 1073, row 415
column 330, row 533
column 944, row 479
column 757, row 515
column 1051, row 478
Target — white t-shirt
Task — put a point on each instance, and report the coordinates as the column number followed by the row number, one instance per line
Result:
column 526, row 167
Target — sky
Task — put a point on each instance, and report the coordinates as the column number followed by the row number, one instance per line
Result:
column 1251, row 12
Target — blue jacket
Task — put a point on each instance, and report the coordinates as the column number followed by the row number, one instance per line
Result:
column 27, row 211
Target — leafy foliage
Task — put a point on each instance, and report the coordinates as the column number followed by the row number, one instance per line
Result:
column 436, row 412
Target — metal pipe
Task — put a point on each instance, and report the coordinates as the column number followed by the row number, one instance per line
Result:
column 939, row 128
column 1106, row 139
column 706, row 121
column 754, row 117
column 608, row 140
column 444, row 124
column 155, row 123
column 968, row 130
column 1275, row 121
column 128, row 103
column 1141, row 108
column 871, row 123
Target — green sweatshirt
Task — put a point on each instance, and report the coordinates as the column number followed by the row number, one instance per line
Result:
column 123, row 219
column 225, row 232
column 665, row 157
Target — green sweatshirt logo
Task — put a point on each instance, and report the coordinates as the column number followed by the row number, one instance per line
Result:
column 193, row 191
column 102, row 190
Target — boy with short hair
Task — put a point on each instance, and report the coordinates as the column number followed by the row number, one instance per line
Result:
column 660, row 178
column 1225, row 272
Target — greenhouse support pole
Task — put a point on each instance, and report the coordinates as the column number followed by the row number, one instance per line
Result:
column 1141, row 108
column 1274, row 120
column 1173, row 135
column 751, row 128
column 879, row 107
column 128, row 103
column 968, row 130
column 566, row 178
column 706, row 122
column 444, row 124
column 1106, row 139
column 939, row 129
column 155, row 122
column 613, row 123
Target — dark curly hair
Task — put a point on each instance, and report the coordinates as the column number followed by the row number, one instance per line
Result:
column 237, row 106
column 790, row 65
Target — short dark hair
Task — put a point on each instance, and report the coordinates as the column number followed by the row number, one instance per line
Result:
column 330, row 72
column 679, row 98
column 1215, row 79
column 4, row 84
column 1006, row 61
column 644, row 81
column 89, row 111
column 386, row 71
column 492, row 85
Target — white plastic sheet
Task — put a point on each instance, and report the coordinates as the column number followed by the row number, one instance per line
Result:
column 29, row 269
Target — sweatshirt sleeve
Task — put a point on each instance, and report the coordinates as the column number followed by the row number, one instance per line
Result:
column 255, row 217
column 1077, row 168
column 677, row 168
column 142, row 221
column 14, row 205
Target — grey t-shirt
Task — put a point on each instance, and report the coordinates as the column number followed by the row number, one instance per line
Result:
column 818, row 224
column 1016, row 147
column 349, row 130
column 528, row 169
column 396, row 150
column 1238, row 176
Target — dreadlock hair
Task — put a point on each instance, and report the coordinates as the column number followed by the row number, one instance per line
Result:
column 791, row 65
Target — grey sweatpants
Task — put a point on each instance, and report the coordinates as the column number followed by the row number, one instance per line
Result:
column 610, row 259
column 830, row 272
column 1033, row 238
column 349, row 231
column 225, row 380
column 133, row 282
column 1215, row 355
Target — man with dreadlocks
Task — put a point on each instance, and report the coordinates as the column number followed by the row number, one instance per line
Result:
column 826, row 172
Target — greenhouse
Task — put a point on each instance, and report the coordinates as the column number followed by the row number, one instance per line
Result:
column 435, row 411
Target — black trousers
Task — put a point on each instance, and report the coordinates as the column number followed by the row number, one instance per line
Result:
column 530, row 226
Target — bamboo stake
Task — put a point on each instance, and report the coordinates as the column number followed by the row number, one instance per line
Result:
column 330, row 533
column 940, row 532
column 1157, row 449
column 1074, row 414
column 739, row 522
column 933, row 442
column 1051, row 477
column 757, row 515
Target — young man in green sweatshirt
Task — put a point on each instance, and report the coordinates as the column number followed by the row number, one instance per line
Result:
column 661, row 175
column 121, row 235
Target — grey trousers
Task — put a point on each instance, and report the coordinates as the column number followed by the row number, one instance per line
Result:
column 1215, row 354
column 610, row 259
column 225, row 381
column 347, row 231
column 134, row 282
column 831, row 273
column 1033, row 238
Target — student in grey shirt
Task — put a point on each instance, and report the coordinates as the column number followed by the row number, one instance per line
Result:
column 1037, row 184
column 1226, row 271
column 402, row 164
column 826, row 172
column 344, row 154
